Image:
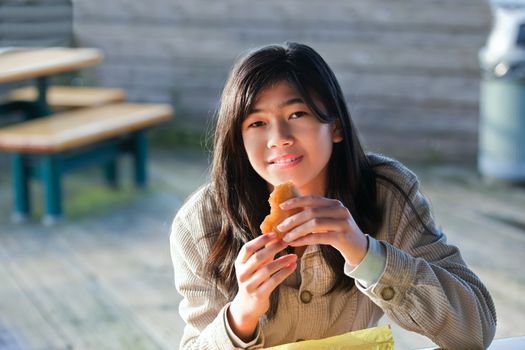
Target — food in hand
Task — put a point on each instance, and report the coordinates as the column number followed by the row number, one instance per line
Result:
column 280, row 194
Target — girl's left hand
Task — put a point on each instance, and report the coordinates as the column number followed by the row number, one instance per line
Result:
column 324, row 221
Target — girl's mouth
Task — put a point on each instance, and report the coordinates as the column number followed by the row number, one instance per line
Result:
column 286, row 163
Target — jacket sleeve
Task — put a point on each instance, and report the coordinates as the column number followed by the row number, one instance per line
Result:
column 200, row 307
column 203, row 305
column 426, row 286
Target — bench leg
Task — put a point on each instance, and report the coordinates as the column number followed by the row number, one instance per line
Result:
column 140, row 153
column 51, row 178
column 41, row 107
column 20, row 174
column 111, row 173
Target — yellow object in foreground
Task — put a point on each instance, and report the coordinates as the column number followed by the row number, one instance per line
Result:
column 377, row 338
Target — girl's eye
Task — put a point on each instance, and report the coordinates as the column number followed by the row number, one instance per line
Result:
column 256, row 124
column 297, row 115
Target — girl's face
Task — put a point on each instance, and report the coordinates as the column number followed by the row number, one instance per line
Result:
column 285, row 141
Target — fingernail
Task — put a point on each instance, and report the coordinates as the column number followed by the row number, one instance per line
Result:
column 281, row 227
column 284, row 205
column 287, row 238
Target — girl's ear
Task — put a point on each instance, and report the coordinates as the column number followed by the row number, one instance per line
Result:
column 337, row 132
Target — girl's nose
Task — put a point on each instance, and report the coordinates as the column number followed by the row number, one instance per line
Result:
column 280, row 136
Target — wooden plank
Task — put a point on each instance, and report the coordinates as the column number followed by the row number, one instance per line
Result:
column 430, row 13
column 153, row 96
column 75, row 128
column 165, row 78
column 36, row 42
column 32, row 63
column 71, row 96
column 431, row 129
column 43, row 23
column 347, row 41
column 417, row 88
column 438, row 61
column 22, row 325
column 492, row 199
column 42, row 29
column 141, row 281
column 36, row 11
column 416, row 147
column 418, row 139
column 413, row 118
column 71, row 300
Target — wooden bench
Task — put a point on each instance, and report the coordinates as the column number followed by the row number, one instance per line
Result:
column 66, row 97
column 48, row 147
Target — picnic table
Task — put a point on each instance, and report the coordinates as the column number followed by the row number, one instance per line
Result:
column 46, row 148
column 25, row 63
column 18, row 64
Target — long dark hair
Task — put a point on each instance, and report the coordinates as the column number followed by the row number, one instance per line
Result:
column 240, row 193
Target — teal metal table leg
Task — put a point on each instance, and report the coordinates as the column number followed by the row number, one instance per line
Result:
column 20, row 174
column 140, row 153
column 51, row 179
column 111, row 173
column 41, row 105
column 31, row 109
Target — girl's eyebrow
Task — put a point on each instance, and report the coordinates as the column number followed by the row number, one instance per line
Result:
column 291, row 101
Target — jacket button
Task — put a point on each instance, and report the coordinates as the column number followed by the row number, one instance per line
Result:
column 387, row 293
column 306, row 296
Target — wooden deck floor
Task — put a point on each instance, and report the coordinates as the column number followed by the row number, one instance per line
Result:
column 102, row 279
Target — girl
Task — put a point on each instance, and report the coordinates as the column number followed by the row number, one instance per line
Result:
column 363, row 244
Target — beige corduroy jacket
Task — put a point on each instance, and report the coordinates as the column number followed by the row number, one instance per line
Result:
column 425, row 287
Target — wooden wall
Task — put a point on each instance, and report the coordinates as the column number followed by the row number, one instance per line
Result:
column 36, row 23
column 27, row 23
column 409, row 68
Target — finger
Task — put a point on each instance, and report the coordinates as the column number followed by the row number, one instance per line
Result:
column 304, row 216
column 277, row 278
column 310, row 201
column 265, row 254
column 258, row 259
column 265, row 272
column 317, row 225
column 327, row 238
column 249, row 248
column 274, row 241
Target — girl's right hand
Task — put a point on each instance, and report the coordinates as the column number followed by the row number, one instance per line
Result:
column 258, row 274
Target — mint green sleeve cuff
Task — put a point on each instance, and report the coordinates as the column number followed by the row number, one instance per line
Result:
column 372, row 265
column 237, row 342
